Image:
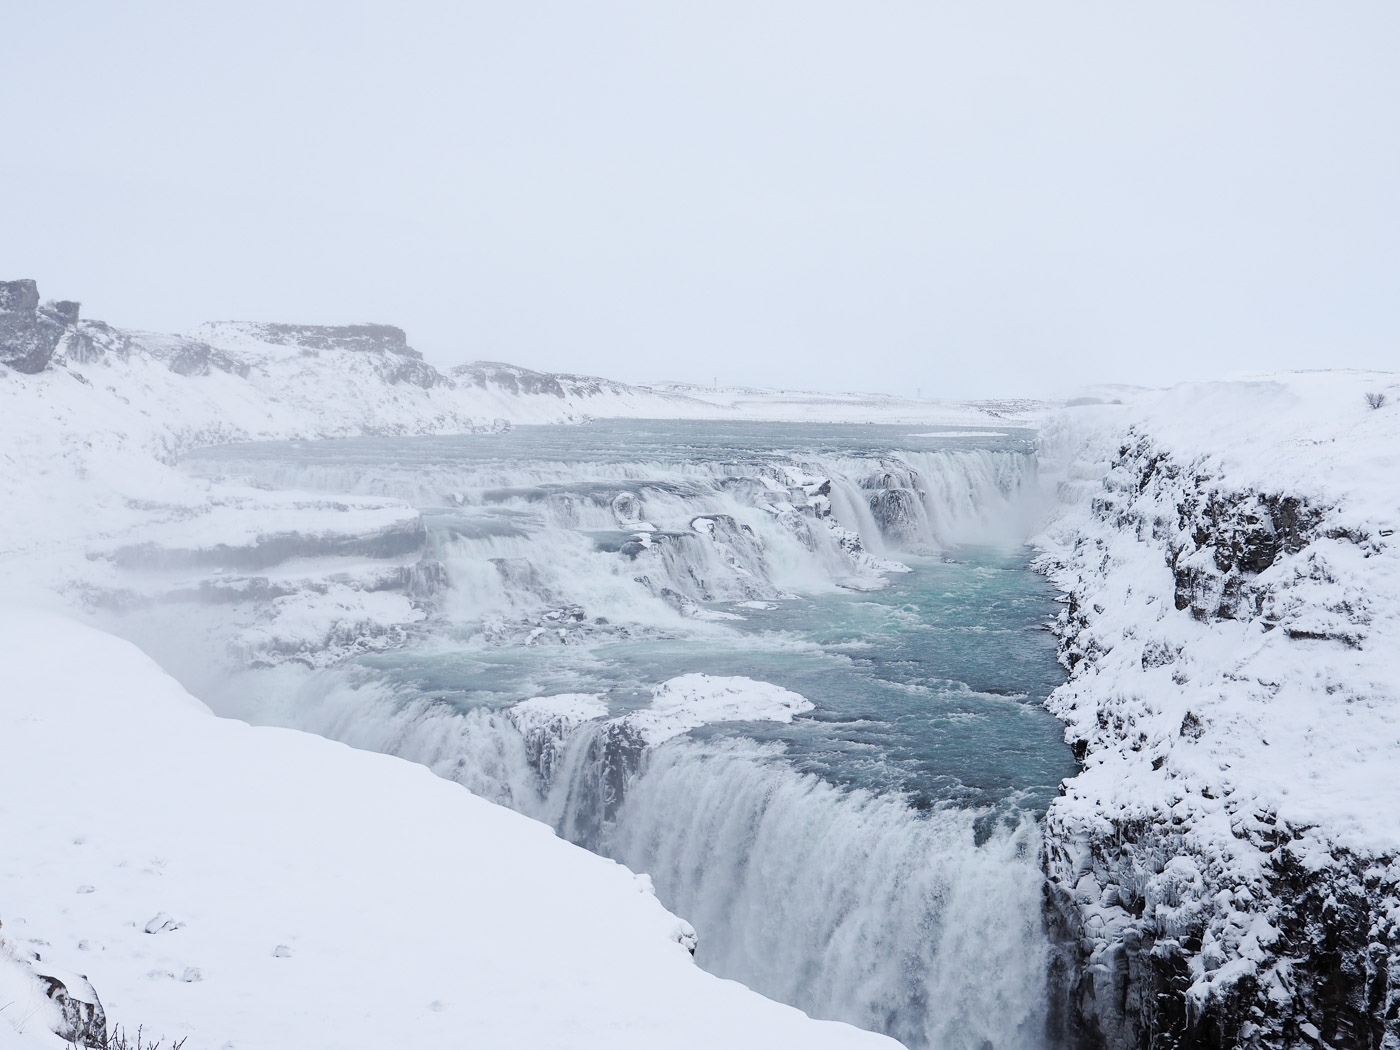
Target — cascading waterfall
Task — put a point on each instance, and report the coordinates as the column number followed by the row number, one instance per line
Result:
column 848, row 905
column 525, row 536
column 913, row 920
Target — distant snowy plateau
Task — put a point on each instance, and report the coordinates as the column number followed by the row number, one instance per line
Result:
column 1221, row 873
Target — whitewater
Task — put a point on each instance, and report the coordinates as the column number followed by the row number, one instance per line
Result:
column 794, row 673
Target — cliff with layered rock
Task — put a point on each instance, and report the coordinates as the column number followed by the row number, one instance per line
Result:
column 1224, row 873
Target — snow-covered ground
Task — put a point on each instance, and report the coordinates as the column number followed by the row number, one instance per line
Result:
column 265, row 888
column 1234, row 628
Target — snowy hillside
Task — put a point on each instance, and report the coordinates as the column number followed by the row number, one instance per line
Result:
column 232, row 381
column 1227, row 862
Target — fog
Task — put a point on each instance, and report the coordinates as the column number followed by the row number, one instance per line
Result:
column 966, row 201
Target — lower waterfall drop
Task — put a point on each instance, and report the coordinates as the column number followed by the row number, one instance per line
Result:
column 847, row 905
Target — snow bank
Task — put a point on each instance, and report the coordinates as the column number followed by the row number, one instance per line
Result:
column 316, row 895
column 693, row 700
column 568, row 709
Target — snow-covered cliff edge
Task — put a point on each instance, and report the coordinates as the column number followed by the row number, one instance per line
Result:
column 1225, row 868
column 233, row 887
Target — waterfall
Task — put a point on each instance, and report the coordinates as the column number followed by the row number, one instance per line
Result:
column 847, row 905
column 642, row 540
column 918, row 922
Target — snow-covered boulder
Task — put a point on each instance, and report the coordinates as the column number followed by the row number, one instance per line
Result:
column 46, row 1002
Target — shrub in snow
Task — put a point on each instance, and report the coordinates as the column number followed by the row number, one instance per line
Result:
column 119, row 1040
column 1375, row 399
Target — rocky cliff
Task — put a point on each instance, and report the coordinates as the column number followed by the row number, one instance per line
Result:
column 1224, row 872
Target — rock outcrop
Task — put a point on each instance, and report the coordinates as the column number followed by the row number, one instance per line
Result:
column 516, row 380
column 29, row 330
column 401, row 363
column 70, row 1006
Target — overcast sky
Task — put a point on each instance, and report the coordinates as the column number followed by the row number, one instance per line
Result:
column 970, row 198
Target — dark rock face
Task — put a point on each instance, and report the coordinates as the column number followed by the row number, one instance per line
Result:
column 509, row 378
column 65, row 311
column 92, row 342
column 1231, row 541
column 896, row 498
column 81, row 1019
column 359, row 337
column 81, row 348
column 29, row 331
column 19, row 297
column 1331, row 982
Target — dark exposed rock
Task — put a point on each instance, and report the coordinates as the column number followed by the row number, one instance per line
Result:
column 65, row 311
column 80, row 348
column 360, row 337
column 92, row 342
column 19, row 297
column 1228, row 540
column 190, row 357
column 29, row 333
column 1329, row 969
column 82, row 1021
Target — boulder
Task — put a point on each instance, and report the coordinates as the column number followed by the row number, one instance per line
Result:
column 82, row 1021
